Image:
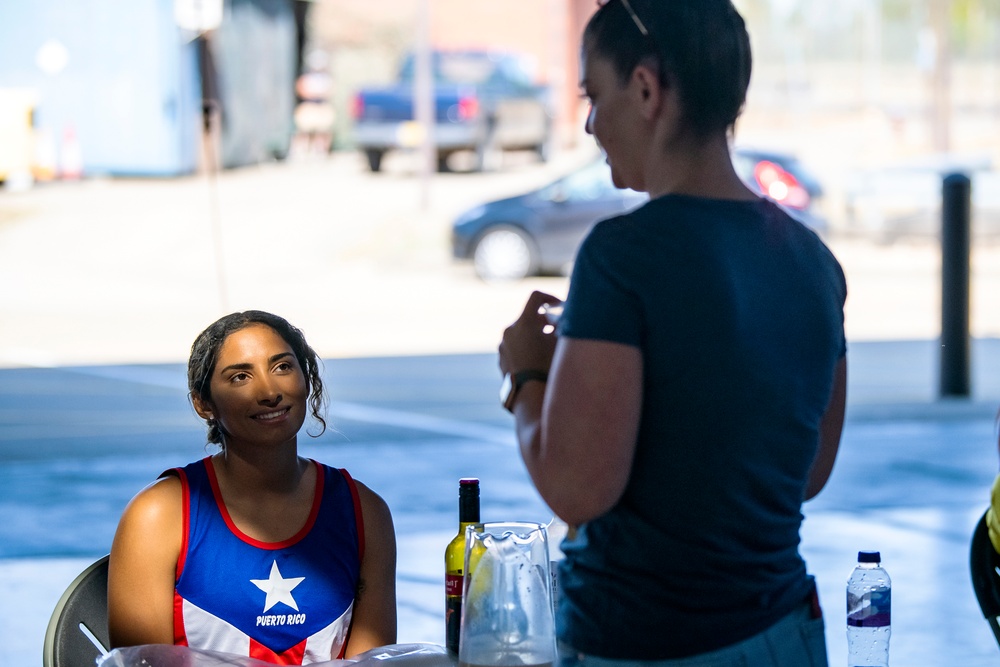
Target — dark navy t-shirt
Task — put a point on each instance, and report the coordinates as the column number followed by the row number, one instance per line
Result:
column 738, row 311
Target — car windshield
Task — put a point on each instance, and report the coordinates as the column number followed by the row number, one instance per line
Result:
column 472, row 69
column 588, row 183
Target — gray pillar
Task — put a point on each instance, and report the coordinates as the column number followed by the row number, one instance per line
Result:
column 956, row 243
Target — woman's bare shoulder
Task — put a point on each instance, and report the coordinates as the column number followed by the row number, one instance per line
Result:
column 158, row 502
column 372, row 504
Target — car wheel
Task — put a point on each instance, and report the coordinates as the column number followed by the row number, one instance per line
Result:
column 544, row 151
column 504, row 253
column 442, row 162
column 487, row 151
column 544, row 148
column 374, row 159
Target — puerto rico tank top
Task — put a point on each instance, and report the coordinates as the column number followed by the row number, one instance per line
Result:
column 286, row 602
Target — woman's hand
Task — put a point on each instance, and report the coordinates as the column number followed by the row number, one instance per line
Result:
column 529, row 342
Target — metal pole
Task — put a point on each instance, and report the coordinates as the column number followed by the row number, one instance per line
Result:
column 211, row 137
column 941, row 75
column 872, row 53
column 423, row 99
column 956, row 242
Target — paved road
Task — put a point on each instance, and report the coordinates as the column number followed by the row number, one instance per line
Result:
column 129, row 270
column 911, row 480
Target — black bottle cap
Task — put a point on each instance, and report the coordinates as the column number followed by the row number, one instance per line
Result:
column 468, row 500
column 869, row 557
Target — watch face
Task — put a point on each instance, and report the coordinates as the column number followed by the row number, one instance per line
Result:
column 506, row 391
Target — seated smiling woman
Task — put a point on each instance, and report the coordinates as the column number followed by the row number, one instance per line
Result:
column 255, row 550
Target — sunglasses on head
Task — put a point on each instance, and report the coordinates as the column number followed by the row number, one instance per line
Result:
column 631, row 12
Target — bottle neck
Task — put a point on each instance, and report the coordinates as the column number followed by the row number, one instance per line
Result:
column 468, row 505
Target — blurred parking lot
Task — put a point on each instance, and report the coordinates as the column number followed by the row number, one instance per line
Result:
column 903, row 200
column 130, row 270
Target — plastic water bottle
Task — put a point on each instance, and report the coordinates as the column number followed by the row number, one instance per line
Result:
column 869, row 598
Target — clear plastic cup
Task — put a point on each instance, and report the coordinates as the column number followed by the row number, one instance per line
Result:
column 552, row 312
column 507, row 616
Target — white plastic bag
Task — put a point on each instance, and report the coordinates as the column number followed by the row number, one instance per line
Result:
column 162, row 655
column 402, row 655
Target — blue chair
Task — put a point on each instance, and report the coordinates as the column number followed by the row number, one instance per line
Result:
column 984, row 563
column 78, row 630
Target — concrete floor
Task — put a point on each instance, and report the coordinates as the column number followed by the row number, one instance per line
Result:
column 912, row 478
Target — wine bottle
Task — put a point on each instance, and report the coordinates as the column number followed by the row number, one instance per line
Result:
column 454, row 561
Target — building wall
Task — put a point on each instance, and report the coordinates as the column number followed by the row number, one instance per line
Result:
column 116, row 84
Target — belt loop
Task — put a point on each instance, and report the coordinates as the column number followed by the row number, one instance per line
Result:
column 815, row 610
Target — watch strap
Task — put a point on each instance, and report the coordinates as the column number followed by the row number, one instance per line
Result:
column 517, row 380
column 521, row 377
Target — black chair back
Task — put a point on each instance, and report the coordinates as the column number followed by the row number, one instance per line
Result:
column 983, row 563
column 78, row 629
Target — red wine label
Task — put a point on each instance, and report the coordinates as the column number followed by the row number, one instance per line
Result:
column 453, row 584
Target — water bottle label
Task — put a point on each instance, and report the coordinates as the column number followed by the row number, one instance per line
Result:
column 871, row 610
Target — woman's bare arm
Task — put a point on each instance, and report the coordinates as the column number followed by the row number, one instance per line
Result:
column 373, row 622
column 578, row 432
column 143, row 566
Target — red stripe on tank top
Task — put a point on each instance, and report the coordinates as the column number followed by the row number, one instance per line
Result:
column 180, row 636
column 292, row 656
column 358, row 516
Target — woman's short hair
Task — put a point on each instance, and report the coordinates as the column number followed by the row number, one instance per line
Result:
column 702, row 46
column 205, row 354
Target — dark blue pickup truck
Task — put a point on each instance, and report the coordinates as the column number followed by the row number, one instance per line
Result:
column 484, row 103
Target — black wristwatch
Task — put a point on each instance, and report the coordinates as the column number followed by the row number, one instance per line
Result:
column 512, row 383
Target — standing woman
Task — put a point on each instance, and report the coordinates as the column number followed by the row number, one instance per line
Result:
column 255, row 550
column 694, row 395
